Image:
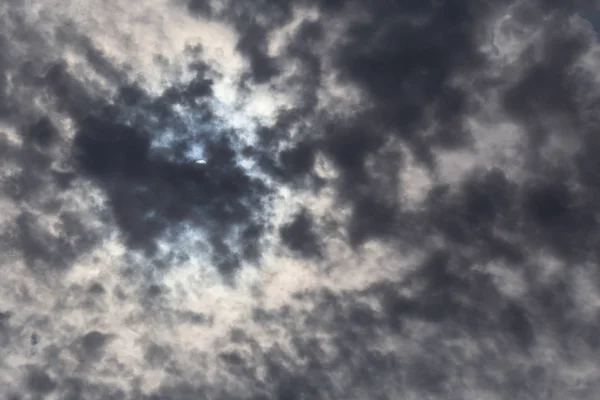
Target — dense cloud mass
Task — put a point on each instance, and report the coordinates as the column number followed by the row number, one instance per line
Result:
column 313, row 199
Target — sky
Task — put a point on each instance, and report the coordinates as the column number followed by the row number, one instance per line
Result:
column 395, row 199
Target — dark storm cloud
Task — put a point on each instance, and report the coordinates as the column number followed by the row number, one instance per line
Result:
column 40, row 382
column 93, row 342
column 464, row 304
column 298, row 160
column 299, row 235
column 201, row 7
column 42, row 133
column 407, row 67
column 41, row 248
column 557, row 205
column 149, row 192
column 402, row 335
column 252, row 45
column 254, row 24
column 548, row 87
column 302, row 52
column 406, row 72
column 35, row 188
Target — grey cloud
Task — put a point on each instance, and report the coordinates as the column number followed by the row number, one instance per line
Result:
column 486, row 286
column 299, row 235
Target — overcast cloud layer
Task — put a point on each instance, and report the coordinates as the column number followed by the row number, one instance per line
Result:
column 397, row 199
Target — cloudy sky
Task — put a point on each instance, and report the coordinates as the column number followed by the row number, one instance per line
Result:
column 396, row 199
